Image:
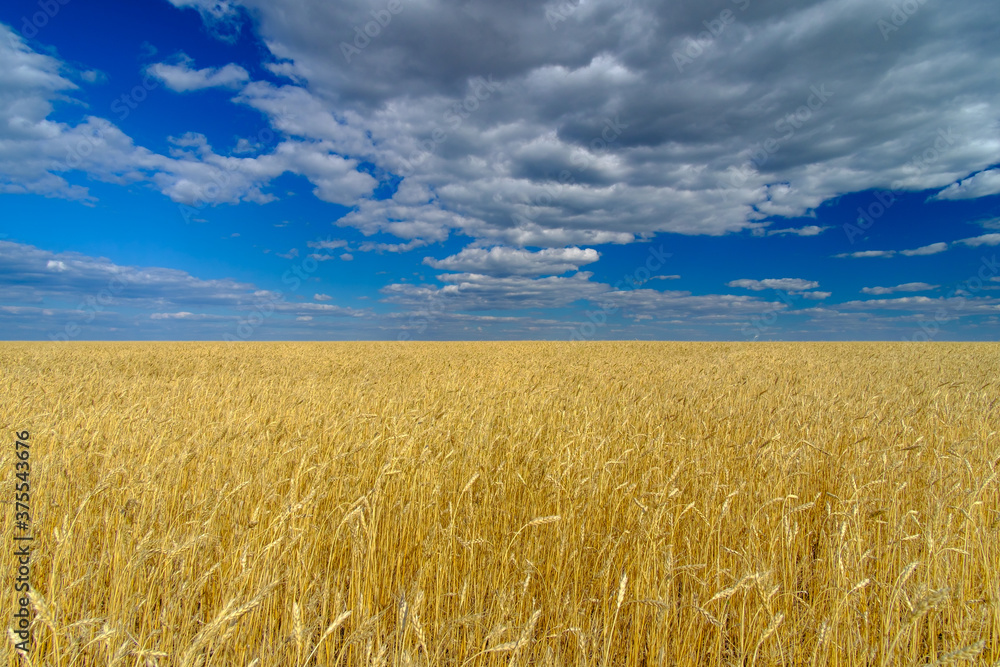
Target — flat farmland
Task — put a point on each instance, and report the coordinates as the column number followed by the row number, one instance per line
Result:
column 505, row 503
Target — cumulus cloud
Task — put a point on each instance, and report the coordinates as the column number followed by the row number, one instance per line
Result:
column 510, row 145
column 502, row 260
column 536, row 158
column 37, row 152
column 983, row 184
column 520, row 137
column 369, row 246
column 473, row 291
column 905, row 287
column 786, row 284
column 222, row 17
column 181, row 77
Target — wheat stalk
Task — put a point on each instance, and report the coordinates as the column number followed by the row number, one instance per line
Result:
column 970, row 652
column 179, row 479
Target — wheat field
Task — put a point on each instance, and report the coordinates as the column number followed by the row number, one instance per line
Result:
column 506, row 503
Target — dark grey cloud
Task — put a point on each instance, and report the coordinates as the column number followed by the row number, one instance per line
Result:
column 547, row 124
column 724, row 112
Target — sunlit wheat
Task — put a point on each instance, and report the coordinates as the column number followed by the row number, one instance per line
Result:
column 506, row 504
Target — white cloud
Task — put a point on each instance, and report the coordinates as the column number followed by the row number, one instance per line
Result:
column 786, row 284
column 328, row 244
column 368, row 246
column 222, row 17
column 903, row 301
column 185, row 315
column 169, row 293
column 868, row 253
column 322, row 297
column 808, row 230
column 36, row 152
column 478, row 292
column 905, row 287
column 951, row 307
column 502, row 260
column 542, row 161
column 985, row 239
column 983, row 184
column 182, row 78
column 537, row 159
column 528, row 165
column 932, row 249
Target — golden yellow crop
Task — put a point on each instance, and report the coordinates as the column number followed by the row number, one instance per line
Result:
column 506, row 503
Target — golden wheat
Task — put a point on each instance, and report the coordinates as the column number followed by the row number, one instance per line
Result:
column 506, row 503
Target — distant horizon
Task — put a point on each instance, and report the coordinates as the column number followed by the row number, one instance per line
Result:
column 494, row 340
column 378, row 170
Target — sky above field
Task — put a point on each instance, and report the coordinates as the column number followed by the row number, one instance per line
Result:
column 435, row 169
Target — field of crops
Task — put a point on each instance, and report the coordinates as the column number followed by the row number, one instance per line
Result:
column 506, row 503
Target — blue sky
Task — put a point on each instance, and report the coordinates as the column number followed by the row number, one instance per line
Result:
column 394, row 170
